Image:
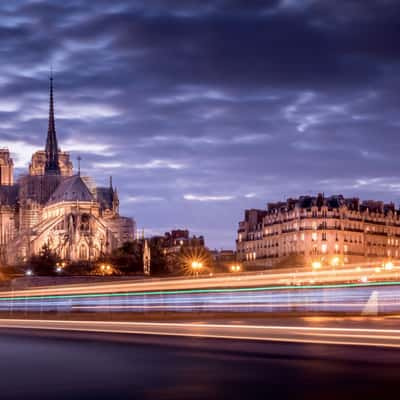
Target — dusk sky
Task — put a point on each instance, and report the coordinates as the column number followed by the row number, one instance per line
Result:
column 203, row 108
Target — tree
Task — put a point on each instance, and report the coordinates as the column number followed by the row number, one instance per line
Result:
column 158, row 263
column 129, row 257
column 45, row 262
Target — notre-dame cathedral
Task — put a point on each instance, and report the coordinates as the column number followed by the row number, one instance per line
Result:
column 53, row 206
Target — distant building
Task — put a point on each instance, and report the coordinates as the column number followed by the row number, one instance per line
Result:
column 223, row 259
column 52, row 206
column 328, row 230
column 174, row 241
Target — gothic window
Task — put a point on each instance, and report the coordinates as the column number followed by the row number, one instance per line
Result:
column 314, row 236
column 60, row 226
column 83, row 253
column 84, row 223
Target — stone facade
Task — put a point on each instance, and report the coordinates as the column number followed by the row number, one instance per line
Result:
column 38, row 163
column 6, row 168
column 53, row 206
column 328, row 230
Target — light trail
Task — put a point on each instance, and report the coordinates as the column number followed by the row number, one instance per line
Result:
column 286, row 278
column 329, row 298
column 23, row 294
column 389, row 338
column 256, row 292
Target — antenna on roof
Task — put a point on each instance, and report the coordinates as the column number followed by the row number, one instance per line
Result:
column 111, row 182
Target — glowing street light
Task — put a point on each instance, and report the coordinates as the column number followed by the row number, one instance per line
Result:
column 335, row 261
column 388, row 266
column 60, row 266
column 316, row 265
column 196, row 266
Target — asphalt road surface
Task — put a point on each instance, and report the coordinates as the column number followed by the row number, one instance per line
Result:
column 40, row 364
column 379, row 332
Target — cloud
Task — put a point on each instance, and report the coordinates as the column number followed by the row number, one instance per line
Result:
column 20, row 151
column 143, row 199
column 152, row 164
column 81, row 145
column 216, row 100
column 157, row 164
column 194, row 197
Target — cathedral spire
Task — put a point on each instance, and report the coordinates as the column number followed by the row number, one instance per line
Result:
column 52, row 167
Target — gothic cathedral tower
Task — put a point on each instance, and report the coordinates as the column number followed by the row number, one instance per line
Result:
column 6, row 168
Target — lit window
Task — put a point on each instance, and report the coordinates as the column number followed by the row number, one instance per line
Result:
column 324, row 247
column 345, row 248
column 314, row 236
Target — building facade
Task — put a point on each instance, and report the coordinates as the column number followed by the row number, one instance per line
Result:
column 175, row 242
column 317, row 229
column 52, row 206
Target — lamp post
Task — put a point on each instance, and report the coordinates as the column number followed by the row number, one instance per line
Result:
column 316, row 265
column 236, row 268
column 196, row 266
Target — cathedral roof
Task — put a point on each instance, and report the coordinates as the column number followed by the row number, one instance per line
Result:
column 105, row 197
column 71, row 189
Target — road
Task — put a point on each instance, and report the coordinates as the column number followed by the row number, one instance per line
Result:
column 38, row 364
column 287, row 330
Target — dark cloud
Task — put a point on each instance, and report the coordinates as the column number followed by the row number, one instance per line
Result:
column 202, row 108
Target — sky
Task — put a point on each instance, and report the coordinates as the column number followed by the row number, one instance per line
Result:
column 200, row 109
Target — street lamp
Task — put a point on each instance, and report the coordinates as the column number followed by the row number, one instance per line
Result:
column 59, row 267
column 388, row 266
column 335, row 261
column 316, row 265
column 196, row 266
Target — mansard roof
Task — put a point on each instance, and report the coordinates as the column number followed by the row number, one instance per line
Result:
column 332, row 202
column 71, row 189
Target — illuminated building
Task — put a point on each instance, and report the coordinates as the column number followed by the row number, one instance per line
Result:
column 53, row 206
column 319, row 230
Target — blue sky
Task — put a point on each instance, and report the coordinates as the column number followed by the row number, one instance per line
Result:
column 200, row 109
